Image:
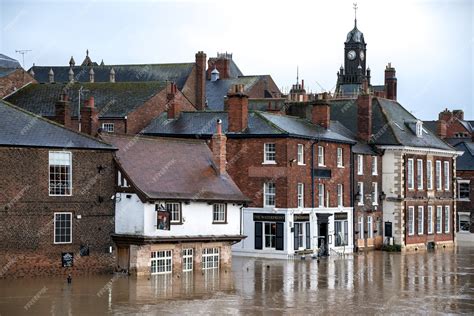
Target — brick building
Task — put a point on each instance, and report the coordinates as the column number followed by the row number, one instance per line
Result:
column 56, row 214
column 300, row 194
column 174, row 214
column 12, row 76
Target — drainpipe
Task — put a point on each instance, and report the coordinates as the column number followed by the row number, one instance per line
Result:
column 312, row 172
column 352, row 196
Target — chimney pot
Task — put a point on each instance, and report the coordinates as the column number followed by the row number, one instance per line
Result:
column 320, row 113
column 237, row 108
column 219, row 141
column 364, row 117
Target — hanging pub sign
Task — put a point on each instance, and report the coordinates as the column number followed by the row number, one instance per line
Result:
column 263, row 217
column 340, row 216
column 84, row 250
column 163, row 218
column 67, row 259
column 301, row 217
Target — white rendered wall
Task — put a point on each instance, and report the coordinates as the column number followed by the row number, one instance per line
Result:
column 129, row 216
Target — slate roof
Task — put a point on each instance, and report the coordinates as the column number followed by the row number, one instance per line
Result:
column 6, row 71
column 8, row 62
column 111, row 99
column 392, row 124
column 178, row 73
column 21, row 128
column 263, row 104
column 260, row 124
column 465, row 161
column 167, row 168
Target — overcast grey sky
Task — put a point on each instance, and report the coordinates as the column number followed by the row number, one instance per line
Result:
column 429, row 42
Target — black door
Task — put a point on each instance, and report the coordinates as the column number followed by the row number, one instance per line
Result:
column 323, row 239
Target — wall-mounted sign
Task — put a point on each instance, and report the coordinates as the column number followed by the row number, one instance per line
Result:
column 301, row 217
column 322, row 173
column 84, row 250
column 67, row 259
column 163, row 220
column 340, row 216
column 261, row 217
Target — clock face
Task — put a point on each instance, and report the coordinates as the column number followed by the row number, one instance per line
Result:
column 362, row 55
column 351, row 55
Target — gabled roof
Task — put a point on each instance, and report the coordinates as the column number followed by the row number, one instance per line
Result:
column 178, row 73
column 392, row 124
column 21, row 128
column 466, row 160
column 260, row 124
column 111, row 99
column 167, row 168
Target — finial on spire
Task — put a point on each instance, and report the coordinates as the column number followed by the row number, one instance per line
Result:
column 297, row 74
column 87, row 52
column 355, row 13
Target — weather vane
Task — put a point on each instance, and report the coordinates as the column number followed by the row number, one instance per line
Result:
column 355, row 10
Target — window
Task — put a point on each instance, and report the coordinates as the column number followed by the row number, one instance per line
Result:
column 219, row 214
column 370, row 229
column 299, row 235
column 321, row 194
column 341, row 232
column 175, row 210
column 340, row 195
column 188, row 259
column 269, row 194
column 360, row 191
column 421, row 221
column 360, row 164
column 430, row 219
column 121, row 180
column 419, row 174
column 447, row 221
column 340, row 160
column 410, row 176
column 269, row 154
column 321, row 156
column 375, row 193
column 60, row 173
column 463, row 190
column 374, row 166
column 411, row 219
column 210, row 258
column 270, row 235
column 446, row 175
column 62, row 228
column 300, row 195
column 439, row 214
column 438, row 176
column 429, row 175
column 419, row 129
column 108, row 127
column 300, row 154
column 161, row 262
column 360, row 224
column 464, row 222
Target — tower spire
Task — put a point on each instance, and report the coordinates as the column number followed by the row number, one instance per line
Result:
column 297, row 75
column 355, row 14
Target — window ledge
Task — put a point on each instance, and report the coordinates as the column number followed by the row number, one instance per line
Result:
column 464, row 200
column 219, row 223
column 320, row 165
column 269, row 163
column 176, row 223
column 341, row 167
column 301, row 164
column 375, row 174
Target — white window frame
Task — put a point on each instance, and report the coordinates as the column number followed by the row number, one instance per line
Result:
column 446, row 176
column 419, row 129
column 188, row 259
column 429, row 174
column 370, row 227
column 269, row 190
column 300, row 156
column 410, row 174
column 360, row 187
column 360, row 223
column 340, row 195
column 439, row 183
column 321, row 195
column 340, row 157
column 411, row 220
column 462, row 217
column 375, row 193
column 374, row 166
column 360, row 164
column 171, row 208
column 300, row 196
column 419, row 174
column 210, row 258
column 447, row 219
column 108, row 127
column 321, row 156
column 464, row 182
column 301, row 234
column 69, row 164
column 165, row 257
column 430, row 219
column 421, row 226
column 439, row 219
column 268, row 235
column 219, row 213
column 70, row 228
column 269, row 152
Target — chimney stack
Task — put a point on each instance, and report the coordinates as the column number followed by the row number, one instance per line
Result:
column 459, row 114
column 200, row 81
column 237, row 104
column 219, row 149
column 390, row 83
column 320, row 113
column 364, row 116
column 62, row 110
column 89, row 117
column 221, row 63
column 173, row 108
column 441, row 129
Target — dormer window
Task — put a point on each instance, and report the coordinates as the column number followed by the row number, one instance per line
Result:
column 419, row 129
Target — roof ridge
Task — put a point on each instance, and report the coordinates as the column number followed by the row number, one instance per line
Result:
column 389, row 122
column 154, row 138
column 104, row 66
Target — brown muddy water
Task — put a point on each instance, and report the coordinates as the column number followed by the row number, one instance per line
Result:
column 373, row 283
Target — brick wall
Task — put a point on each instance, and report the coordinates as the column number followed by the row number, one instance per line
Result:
column 27, row 212
column 13, row 81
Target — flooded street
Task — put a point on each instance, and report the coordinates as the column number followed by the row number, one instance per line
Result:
column 372, row 283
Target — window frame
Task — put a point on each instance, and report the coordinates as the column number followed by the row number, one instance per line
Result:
column 340, row 195
column 270, row 235
column 411, row 220
column 224, row 207
column 439, row 219
column 370, row 227
column 69, row 174
column 208, row 264
column 360, row 187
column 430, row 220
column 429, row 174
column 300, row 155
column 438, row 179
column 269, row 194
column 70, row 228
column 374, row 166
column 410, row 174
column 340, row 157
column 446, row 175
column 375, row 193
column 468, row 183
column 321, row 194
column 107, row 130
column 168, row 268
column 360, row 165
column 180, row 212
column 267, row 152
column 419, row 174
column 360, row 224
column 421, row 210
column 321, row 157
column 300, row 195
column 188, row 265
column 447, row 219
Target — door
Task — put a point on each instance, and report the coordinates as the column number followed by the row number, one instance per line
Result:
column 323, row 238
column 123, row 258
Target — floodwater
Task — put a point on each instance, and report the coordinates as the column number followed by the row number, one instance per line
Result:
column 372, row 283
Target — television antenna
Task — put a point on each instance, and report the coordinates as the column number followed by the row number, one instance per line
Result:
column 23, row 52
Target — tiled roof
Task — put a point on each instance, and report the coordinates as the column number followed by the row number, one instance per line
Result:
column 259, row 124
column 167, row 168
column 177, row 73
column 111, row 99
column 391, row 124
column 21, row 128
column 6, row 71
column 466, row 160
column 8, row 62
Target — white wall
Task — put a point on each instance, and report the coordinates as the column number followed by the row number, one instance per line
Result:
column 129, row 216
